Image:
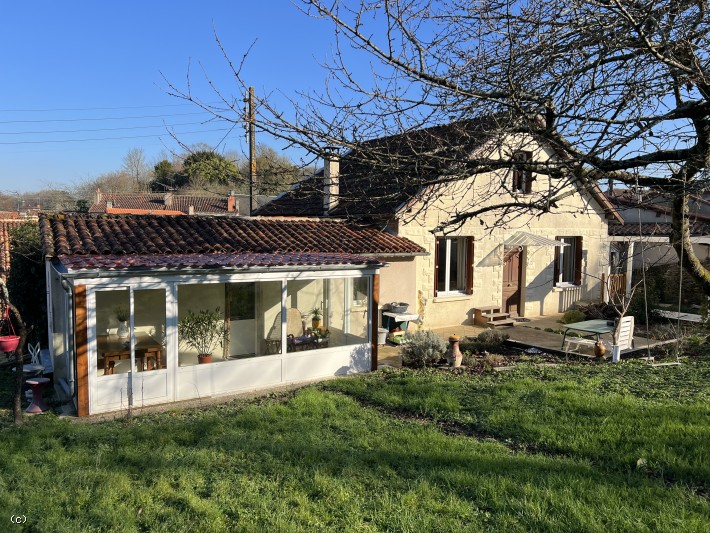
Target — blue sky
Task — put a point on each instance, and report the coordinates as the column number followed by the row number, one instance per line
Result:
column 79, row 70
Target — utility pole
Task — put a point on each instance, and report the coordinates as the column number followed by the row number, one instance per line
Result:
column 252, row 147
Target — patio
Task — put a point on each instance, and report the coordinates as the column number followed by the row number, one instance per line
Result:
column 528, row 334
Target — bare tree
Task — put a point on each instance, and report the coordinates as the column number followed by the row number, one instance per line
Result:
column 619, row 90
column 136, row 166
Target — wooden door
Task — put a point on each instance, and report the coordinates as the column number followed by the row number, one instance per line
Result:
column 512, row 270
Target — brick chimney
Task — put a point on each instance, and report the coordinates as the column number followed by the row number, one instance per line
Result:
column 168, row 199
column 331, row 182
column 98, row 195
column 232, row 206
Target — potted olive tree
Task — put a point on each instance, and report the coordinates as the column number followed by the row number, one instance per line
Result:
column 203, row 331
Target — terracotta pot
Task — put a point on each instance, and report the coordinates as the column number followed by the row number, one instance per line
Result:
column 315, row 322
column 203, row 359
column 599, row 349
column 9, row 343
column 453, row 354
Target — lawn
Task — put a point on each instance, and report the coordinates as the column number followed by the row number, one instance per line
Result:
column 574, row 448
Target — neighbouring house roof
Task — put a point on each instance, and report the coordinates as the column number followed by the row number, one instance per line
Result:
column 628, row 203
column 155, row 203
column 80, row 241
column 652, row 229
column 172, row 204
column 386, row 174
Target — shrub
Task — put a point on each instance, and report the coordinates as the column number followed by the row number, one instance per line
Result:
column 490, row 340
column 422, row 348
column 573, row 315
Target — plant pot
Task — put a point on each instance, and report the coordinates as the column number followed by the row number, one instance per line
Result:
column 615, row 353
column 9, row 343
column 204, row 359
column 599, row 349
column 453, row 354
column 315, row 322
column 122, row 330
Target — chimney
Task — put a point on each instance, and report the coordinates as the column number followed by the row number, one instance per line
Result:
column 232, row 203
column 98, row 195
column 109, row 205
column 331, row 182
column 168, row 199
column 191, row 210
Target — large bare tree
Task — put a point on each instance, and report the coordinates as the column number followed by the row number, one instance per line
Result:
column 620, row 90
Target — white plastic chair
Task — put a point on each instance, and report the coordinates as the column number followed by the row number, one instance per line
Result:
column 36, row 361
column 626, row 333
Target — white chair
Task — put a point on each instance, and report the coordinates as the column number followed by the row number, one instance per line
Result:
column 626, row 333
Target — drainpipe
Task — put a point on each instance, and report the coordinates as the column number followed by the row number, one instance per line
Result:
column 69, row 339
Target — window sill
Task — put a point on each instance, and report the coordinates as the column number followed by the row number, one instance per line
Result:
column 453, row 297
column 565, row 287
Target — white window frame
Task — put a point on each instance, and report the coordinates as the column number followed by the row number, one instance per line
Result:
column 461, row 267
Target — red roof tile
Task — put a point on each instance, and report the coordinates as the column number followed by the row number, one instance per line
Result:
column 203, row 241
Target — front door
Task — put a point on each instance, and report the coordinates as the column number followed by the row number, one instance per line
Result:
column 511, row 281
column 129, row 363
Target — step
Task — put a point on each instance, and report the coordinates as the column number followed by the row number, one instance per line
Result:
column 495, row 315
column 507, row 322
column 487, row 308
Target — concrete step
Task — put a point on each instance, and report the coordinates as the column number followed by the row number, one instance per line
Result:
column 506, row 322
column 493, row 316
column 488, row 308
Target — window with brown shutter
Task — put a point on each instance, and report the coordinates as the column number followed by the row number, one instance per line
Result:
column 453, row 265
column 522, row 177
column 568, row 261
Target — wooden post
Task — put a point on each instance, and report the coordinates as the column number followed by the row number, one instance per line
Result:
column 375, row 318
column 81, row 347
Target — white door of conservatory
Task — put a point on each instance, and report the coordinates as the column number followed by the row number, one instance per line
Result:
column 128, row 363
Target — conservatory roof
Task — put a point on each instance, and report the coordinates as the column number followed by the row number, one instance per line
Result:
column 113, row 242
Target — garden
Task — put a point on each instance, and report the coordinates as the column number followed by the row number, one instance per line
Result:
column 574, row 447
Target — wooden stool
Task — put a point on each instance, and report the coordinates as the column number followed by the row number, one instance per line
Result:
column 37, row 405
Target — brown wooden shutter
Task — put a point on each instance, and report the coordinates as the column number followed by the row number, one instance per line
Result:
column 436, row 266
column 469, row 265
column 556, row 269
column 528, row 173
column 578, row 260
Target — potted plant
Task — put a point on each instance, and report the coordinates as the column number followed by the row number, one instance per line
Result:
column 316, row 317
column 122, row 316
column 203, row 331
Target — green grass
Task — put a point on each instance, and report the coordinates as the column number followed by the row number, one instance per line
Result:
column 400, row 451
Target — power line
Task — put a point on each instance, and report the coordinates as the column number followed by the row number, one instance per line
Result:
column 51, row 110
column 108, row 138
column 96, row 119
column 98, row 129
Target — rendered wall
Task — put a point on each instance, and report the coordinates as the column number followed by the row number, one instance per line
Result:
column 576, row 215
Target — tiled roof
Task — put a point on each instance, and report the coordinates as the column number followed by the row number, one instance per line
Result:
column 154, row 202
column 387, row 173
column 210, row 241
column 223, row 260
column 652, row 229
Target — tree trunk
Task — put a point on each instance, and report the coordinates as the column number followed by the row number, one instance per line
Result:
column 19, row 361
column 680, row 239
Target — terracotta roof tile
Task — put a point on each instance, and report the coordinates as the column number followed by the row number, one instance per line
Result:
column 90, row 239
column 155, row 203
column 653, row 229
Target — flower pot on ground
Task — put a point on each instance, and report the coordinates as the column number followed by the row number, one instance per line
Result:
column 599, row 349
column 203, row 331
column 453, row 354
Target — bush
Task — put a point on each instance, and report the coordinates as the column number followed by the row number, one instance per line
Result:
column 422, row 348
column 490, row 340
column 27, row 282
column 573, row 315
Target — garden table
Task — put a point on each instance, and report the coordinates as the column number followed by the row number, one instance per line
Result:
column 590, row 327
